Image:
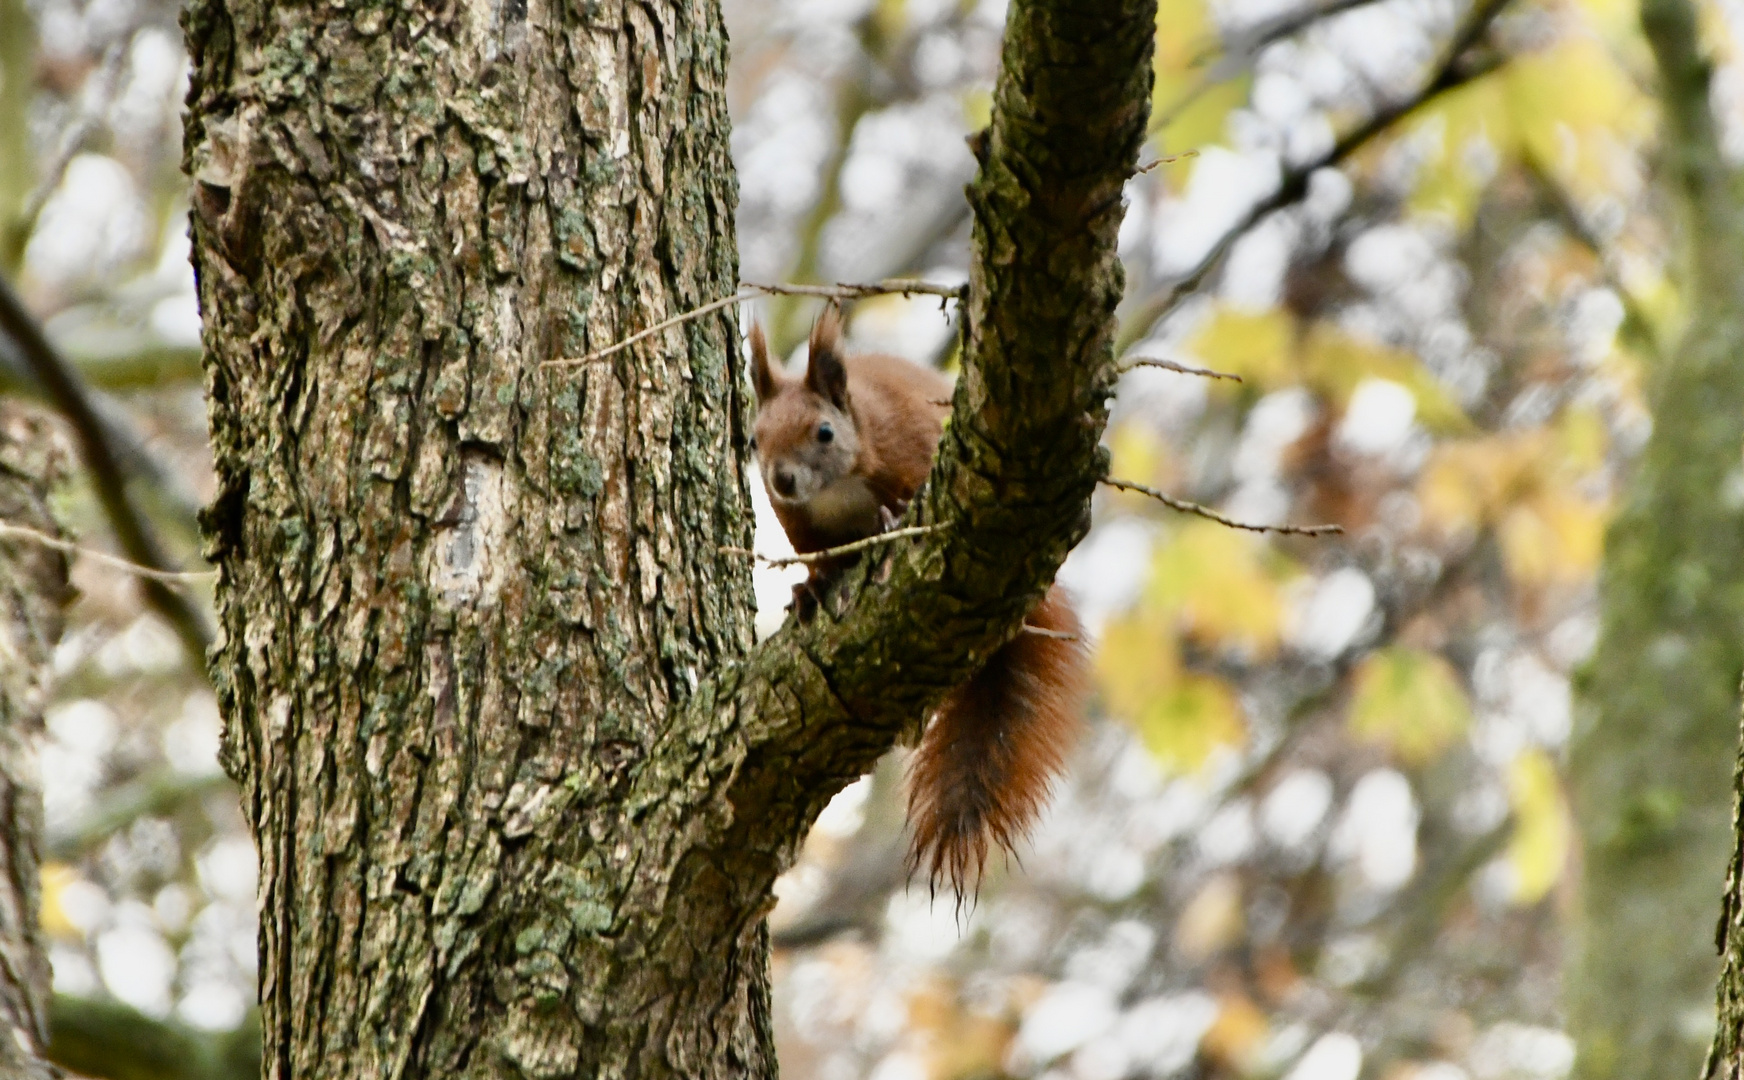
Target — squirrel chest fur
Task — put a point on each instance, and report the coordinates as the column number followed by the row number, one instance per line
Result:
column 841, row 451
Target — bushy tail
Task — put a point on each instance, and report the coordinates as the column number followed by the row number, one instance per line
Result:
column 987, row 762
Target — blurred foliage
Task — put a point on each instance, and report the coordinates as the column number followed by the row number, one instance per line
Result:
column 1323, row 797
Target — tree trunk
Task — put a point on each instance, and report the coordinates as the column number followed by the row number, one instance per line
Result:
column 1659, row 724
column 33, row 588
column 520, row 785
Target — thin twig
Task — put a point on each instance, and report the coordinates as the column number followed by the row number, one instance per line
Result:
column 1170, row 365
column 139, row 542
column 1211, row 515
column 1042, row 631
column 667, row 324
column 1167, row 160
column 174, row 577
column 751, row 291
column 845, row 549
column 849, row 291
column 1450, row 74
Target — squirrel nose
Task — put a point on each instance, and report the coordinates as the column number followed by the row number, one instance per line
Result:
column 784, row 485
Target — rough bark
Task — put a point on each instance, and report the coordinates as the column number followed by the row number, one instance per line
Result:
column 520, row 785
column 1658, row 724
column 33, row 588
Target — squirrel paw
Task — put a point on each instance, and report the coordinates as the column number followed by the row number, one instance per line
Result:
column 889, row 516
column 805, row 601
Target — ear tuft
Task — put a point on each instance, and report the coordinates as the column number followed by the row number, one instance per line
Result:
column 824, row 374
column 763, row 378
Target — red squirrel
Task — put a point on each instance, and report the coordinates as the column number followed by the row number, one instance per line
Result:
column 842, row 450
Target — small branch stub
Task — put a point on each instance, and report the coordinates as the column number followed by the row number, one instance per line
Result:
column 846, row 549
column 1209, row 514
column 1171, row 365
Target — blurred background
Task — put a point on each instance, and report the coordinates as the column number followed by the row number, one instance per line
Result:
column 1320, row 825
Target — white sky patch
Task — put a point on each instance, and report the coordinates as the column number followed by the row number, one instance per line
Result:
column 918, row 928
column 190, row 741
column 1224, row 185
column 772, row 585
column 228, row 868
column 138, row 967
column 845, row 813
column 1379, row 829
column 1295, row 807
column 1105, row 573
column 1521, row 1052
column 1160, row 1035
column 1065, row 1017
column 1379, row 418
column 1229, row 835
column 1334, row 614
column 1335, row 1056
column 94, row 222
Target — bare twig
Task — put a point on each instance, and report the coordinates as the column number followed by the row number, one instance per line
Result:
column 1450, row 74
column 751, row 291
column 1170, row 365
column 176, row 577
column 1167, row 160
column 1209, row 514
column 138, row 540
column 1042, row 631
column 845, row 549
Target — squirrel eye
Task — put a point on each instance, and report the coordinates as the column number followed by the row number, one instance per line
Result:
column 826, row 432
column 753, row 442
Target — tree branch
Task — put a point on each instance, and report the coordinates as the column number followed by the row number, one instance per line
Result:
column 1019, row 460
column 109, row 1040
column 137, row 538
column 1452, row 72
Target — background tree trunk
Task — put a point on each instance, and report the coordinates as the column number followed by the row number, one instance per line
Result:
column 1658, row 725
column 33, row 588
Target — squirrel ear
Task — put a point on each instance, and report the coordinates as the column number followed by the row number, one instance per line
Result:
column 824, row 373
column 762, row 375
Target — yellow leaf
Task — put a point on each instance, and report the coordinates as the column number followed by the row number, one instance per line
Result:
column 55, row 878
column 1184, row 723
column 1138, row 660
column 1189, row 125
column 1137, row 452
column 1212, row 921
column 1335, row 363
column 1539, row 847
column 1237, row 1036
column 1256, row 346
column 1554, row 537
column 1410, row 700
column 1220, row 586
column 978, row 108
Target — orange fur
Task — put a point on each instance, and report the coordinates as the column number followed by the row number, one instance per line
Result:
column 986, row 763
column 985, row 767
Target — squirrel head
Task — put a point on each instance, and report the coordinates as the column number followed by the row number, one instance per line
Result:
column 805, row 436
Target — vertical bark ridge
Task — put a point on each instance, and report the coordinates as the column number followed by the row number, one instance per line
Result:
column 33, row 589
